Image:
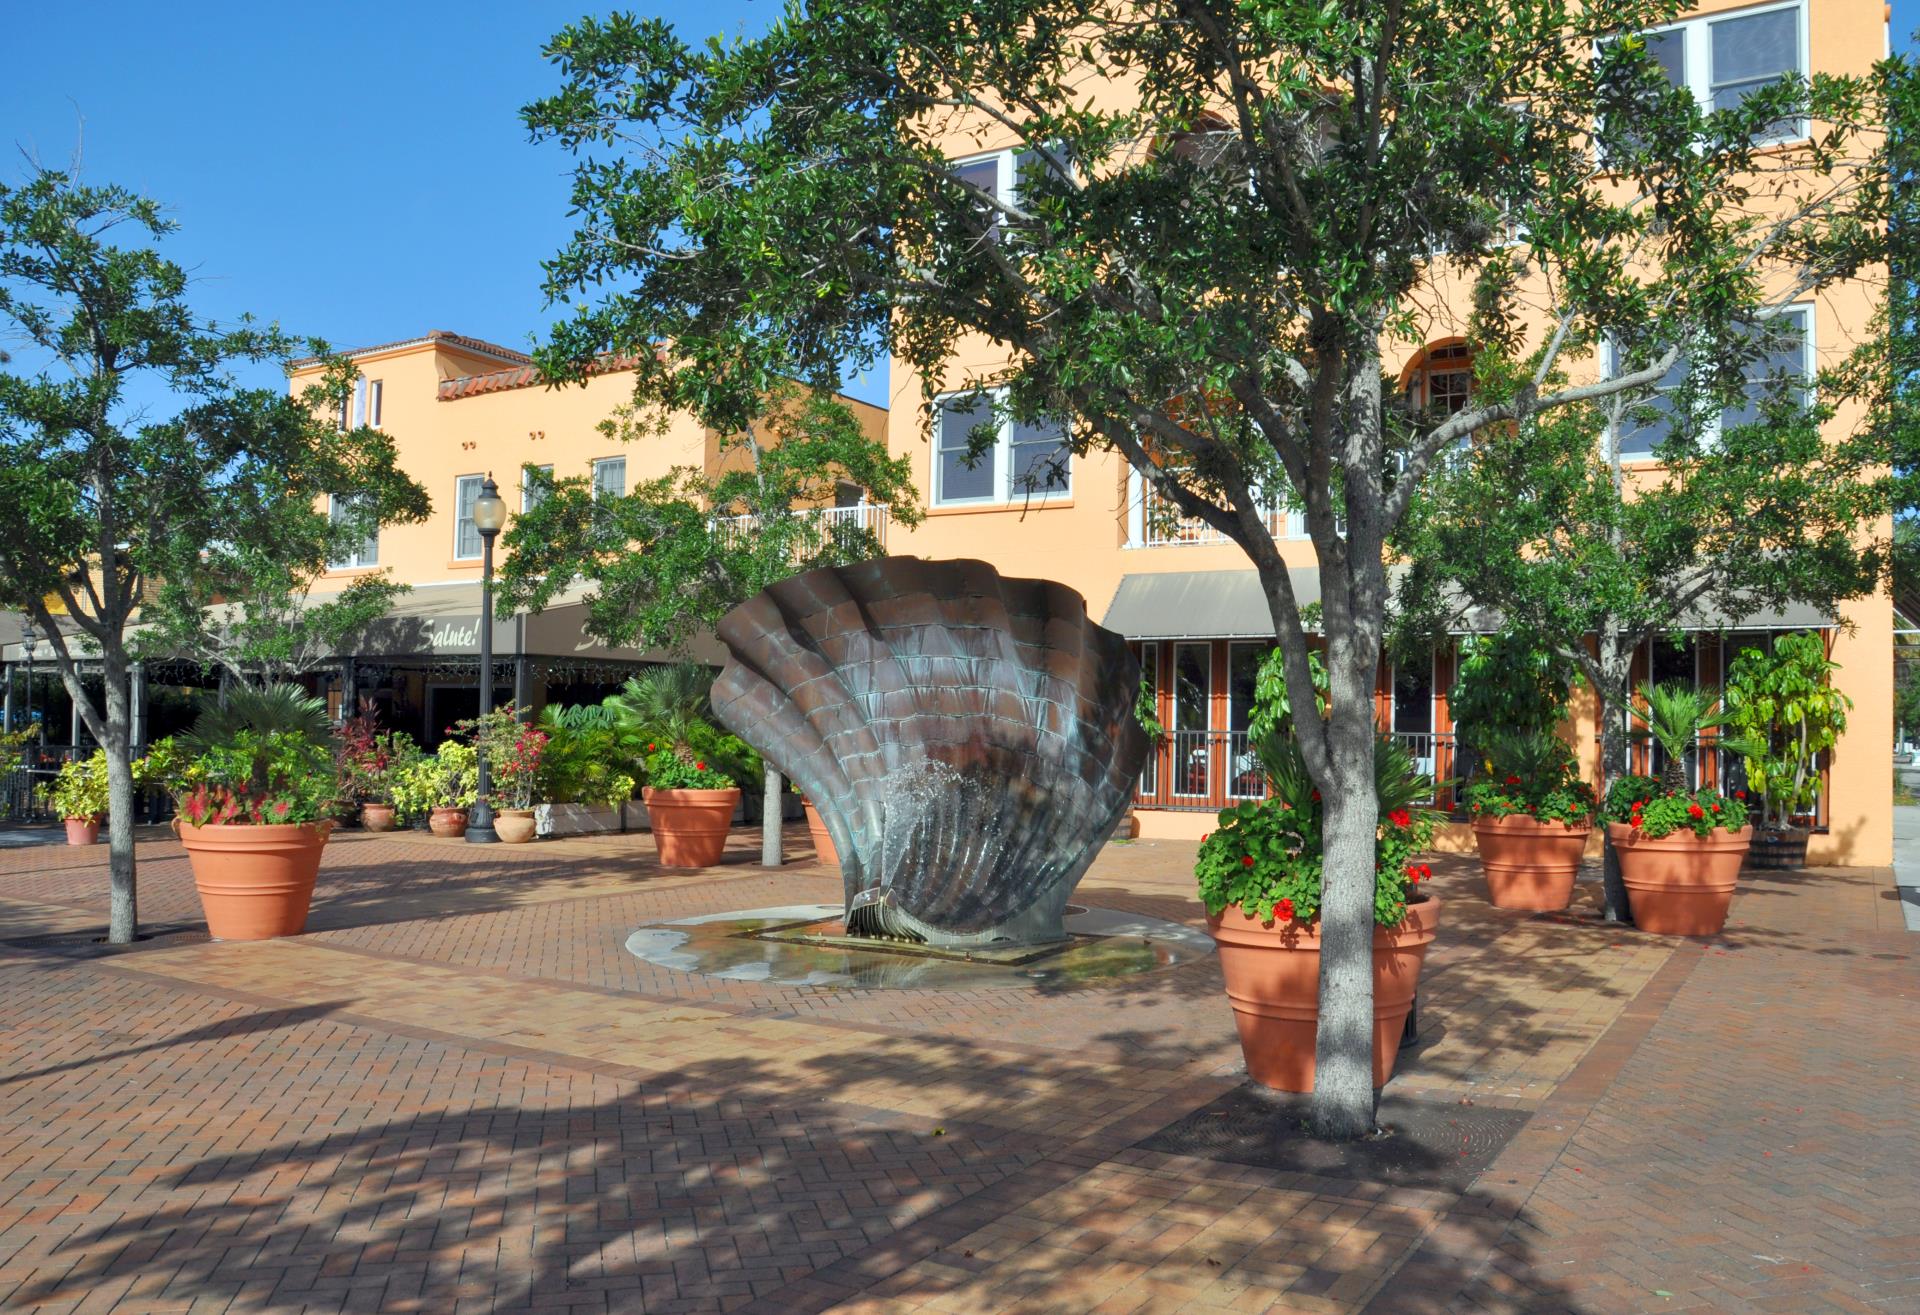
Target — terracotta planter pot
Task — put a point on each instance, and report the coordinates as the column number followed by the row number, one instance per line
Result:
column 447, row 821
column 514, row 826
column 82, row 830
column 1529, row 864
column 1778, row 849
column 377, row 817
column 1679, row 885
column 822, row 838
column 1273, row 982
column 255, row 882
column 690, row 826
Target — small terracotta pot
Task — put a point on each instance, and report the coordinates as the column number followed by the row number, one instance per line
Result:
column 377, row 817
column 1679, row 885
column 1273, row 982
column 514, row 826
column 82, row 830
column 822, row 838
column 690, row 826
column 255, row 882
column 447, row 821
column 1529, row 864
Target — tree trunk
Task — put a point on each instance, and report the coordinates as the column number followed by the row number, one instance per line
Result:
column 123, row 905
column 770, row 855
column 1613, row 752
column 1344, row 1100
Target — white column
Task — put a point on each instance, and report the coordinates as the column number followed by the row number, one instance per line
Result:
column 1136, row 509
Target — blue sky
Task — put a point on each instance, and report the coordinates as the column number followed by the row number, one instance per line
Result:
column 356, row 170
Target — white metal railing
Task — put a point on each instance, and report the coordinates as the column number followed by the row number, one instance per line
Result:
column 822, row 523
column 1162, row 526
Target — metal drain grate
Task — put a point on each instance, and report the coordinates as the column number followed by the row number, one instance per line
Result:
column 1424, row 1145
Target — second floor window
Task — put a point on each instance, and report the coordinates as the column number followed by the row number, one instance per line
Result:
column 1780, row 365
column 1723, row 59
column 1016, row 460
column 363, row 552
column 610, row 477
column 532, row 494
column 466, row 535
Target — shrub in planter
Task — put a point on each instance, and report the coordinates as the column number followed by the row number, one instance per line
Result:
column 78, row 796
column 441, row 786
column 691, row 806
column 513, row 752
column 1680, row 853
column 253, row 813
column 1782, row 714
column 368, row 762
column 1259, row 876
column 1532, row 815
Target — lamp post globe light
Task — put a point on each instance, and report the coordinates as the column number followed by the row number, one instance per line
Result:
column 30, row 643
column 489, row 516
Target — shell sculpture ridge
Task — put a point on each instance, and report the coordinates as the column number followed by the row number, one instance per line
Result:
column 969, row 740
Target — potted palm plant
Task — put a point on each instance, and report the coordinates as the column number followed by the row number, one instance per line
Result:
column 1680, row 850
column 1784, row 712
column 690, row 793
column 1531, row 815
column 1259, row 877
column 256, row 787
column 78, row 795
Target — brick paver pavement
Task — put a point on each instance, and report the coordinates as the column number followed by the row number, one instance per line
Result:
column 459, row 1092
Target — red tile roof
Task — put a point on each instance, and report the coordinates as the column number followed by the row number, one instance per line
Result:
column 500, row 381
column 433, row 337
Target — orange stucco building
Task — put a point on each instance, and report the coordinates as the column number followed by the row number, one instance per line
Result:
column 459, row 408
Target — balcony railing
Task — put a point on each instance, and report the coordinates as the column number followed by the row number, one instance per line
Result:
column 820, row 525
column 1205, row 771
column 1162, row 526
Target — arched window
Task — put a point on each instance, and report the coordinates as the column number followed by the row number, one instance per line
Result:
column 1440, row 380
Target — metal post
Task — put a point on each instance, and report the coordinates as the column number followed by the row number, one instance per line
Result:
column 487, row 520
column 6, row 712
column 137, row 700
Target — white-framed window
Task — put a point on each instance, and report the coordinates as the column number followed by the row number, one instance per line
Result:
column 532, row 495
column 1024, row 461
column 1000, row 173
column 375, row 392
column 1783, row 360
column 466, row 535
column 364, row 553
column 610, row 477
column 1724, row 58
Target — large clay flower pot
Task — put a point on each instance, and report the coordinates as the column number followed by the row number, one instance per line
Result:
column 377, row 817
column 1679, row 885
column 822, row 838
column 690, row 826
column 255, row 882
column 1529, row 864
column 1273, row 981
column 514, row 826
column 82, row 830
column 447, row 821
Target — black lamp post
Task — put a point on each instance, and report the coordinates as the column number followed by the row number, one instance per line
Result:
column 29, row 641
column 489, row 515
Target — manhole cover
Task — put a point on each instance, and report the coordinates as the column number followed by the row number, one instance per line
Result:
column 1424, row 1145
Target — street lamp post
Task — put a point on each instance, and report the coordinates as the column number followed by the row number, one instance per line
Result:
column 489, row 515
column 30, row 642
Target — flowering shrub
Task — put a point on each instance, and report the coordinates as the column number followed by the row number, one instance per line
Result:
column 514, row 753
column 262, row 778
column 1267, row 856
column 1641, row 803
column 1533, row 776
column 667, row 770
column 368, row 760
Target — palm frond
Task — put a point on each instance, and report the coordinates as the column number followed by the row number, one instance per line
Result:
column 279, row 707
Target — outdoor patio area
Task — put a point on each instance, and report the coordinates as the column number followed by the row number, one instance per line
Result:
column 461, row 1091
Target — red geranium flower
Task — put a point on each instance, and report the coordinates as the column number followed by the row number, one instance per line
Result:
column 1246, row 860
column 1284, row 908
column 1513, row 780
column 1316, row 796
column 699, row 767
column 1400, row 817
column 1695, row 811
column 1635, row 821
column 1739, row 794
column 1204, row 835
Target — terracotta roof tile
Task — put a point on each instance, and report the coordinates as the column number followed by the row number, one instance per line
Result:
column 433, row 337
